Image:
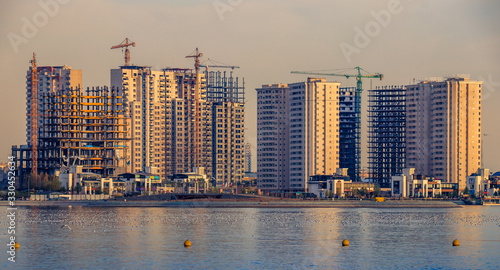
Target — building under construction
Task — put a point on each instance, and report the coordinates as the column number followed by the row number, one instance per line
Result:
column 181, row 120
column 227, row 99
column 349, row 131
column 85, row 128
column 170, row 128
column 165, row 122
column 386, row 134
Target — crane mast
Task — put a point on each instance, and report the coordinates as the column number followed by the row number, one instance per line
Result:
column 196, row 57
column 34, row 116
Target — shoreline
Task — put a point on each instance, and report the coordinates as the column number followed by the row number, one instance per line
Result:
column 241, row 204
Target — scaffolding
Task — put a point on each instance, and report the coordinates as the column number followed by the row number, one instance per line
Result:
column 386, row 133
column 222, row 88
column 227, row 99
column 349, row 131
column 84, row 129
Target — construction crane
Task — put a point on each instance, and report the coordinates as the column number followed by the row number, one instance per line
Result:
column 34, row 117
column 357, row 101
column 197, row 55
column 217, row 65
column 125, row 45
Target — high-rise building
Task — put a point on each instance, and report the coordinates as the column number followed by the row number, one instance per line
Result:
column 226, row 97
column 179, row 124
column 298, row 133
column 248, row 157
column 74, row 126
column 349, row 132
column 443, row 132
column 386, row 133
column 162, row 119
column 273, row 137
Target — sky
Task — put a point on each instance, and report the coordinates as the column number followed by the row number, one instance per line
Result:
column 401, row 39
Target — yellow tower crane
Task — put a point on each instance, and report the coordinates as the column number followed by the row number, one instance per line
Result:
column 34, row 116
column 125, row 44
column 197, row 55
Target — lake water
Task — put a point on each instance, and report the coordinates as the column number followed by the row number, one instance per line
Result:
column 264, row 238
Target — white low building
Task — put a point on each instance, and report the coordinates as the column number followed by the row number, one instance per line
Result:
column 478, row 183
column 193, row 182
column 408, row 184
column 321, row 185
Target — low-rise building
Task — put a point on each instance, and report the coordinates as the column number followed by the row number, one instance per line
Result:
column 145, row 183
column 329, row 185
column 193, row 182
column 409, row 184
column 478, row 183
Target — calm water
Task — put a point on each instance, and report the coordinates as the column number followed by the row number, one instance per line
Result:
column 152, row 238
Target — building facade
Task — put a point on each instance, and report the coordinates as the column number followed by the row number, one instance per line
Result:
column 180, row 121
column 443, row 133
column 298, row 133
column 349, row 132
column 171, row 130
column 273, row 137
column 50, row 80
column 386, row 133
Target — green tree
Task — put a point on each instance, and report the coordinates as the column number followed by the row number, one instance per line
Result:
column 50, row 183
column 376, row 191
column 466, row 191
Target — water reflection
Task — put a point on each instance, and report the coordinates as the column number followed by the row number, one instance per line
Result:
column 255, row 238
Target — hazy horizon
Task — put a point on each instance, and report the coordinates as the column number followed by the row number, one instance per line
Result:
column 400, row 39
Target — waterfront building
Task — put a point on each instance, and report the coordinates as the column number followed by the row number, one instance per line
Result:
column 329, row 185
column 443, row 131
column 51, row 79
column 273, row 137
column 161, row 118
column 180, row 121
column 298, row 133
column 478, row 183
column 349, row 132
column 409, row 184
column 192, row 182
column 386, row 133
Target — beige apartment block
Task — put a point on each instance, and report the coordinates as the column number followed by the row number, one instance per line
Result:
column 298, row 133
column 145, row 94
column 162, row 119
column 443, row 132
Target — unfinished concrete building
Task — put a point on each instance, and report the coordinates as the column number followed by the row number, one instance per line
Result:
column 227, row 100
column 386, row 133
column 162, row 119
column 49, row 80
column 85, row 128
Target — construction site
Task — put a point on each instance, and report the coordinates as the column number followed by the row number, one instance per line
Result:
column 86, row 129
column 164, row 122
